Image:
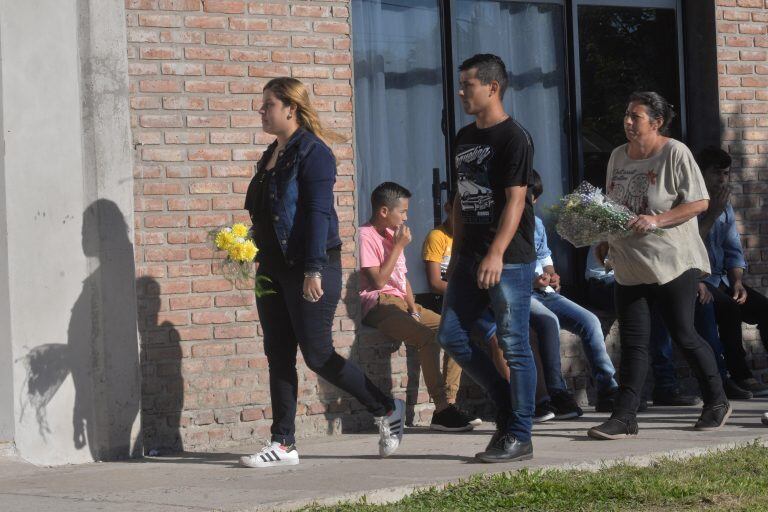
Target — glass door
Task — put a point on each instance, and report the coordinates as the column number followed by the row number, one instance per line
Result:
column 530, row 37
column 398, row 76
column 622, row 47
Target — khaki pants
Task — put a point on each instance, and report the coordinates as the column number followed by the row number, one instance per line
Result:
column 391, row 317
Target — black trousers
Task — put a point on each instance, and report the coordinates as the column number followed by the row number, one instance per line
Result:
column 676, row 302
column 289, row 322
column 730, row 315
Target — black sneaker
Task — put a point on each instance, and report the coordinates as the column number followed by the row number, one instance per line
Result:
column 713, row 416
column 507, row 448
column 543, row 412
column 674, row 398
column 614, row 429
column 605, row 400
column 758, row 389
column 450, row 420
column 735, row 392
column 564, row 405
column 473, row 420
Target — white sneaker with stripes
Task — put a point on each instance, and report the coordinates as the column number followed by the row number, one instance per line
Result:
column 272, row 455
column 391, row 429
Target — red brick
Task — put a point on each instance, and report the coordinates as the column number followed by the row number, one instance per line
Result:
column 146, row 102
column 245, row 120
column 311, row 42
column 225, row 70
column 224, row 6
column 183, row 103
column 240, row 331
column 332, row 89
column 310, row 72
column 187, row 171
column 226, row 38
column 188, row 204
column 212, row 349
column 314, row 11
column 225, row 171
column 209, row 188
column 144, row 5
column 207, row 221
column 229, row 104
column 333, row 58
column 160, row 121
column 159, row 86
column 205, row 86
column 752, row 55
column 147, row 204
column 205, row 21
column 250, row 24
column 159, row 20
column 249, row 56
column 333, row 27
column 180, row 5
column 142, row 68
column 211, row 317
column 190, row 302
column 241, row 299
column 291, row 57
column 181, row 36
column 270, row 40
column 251, row 415
column 230, row 138
column 290, row 25
column 246, row 154
column 211, row 285
column 208, row 154
column 162, row 155
column 269, row 70
column 164, row 254
column 205, row 53
column 207, row 121
column 189, row 69
column 268, row 8
column 136, row 35
column 163, row 189
column 249, row 87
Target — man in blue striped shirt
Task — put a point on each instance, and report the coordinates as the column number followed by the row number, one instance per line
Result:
column 734, row 301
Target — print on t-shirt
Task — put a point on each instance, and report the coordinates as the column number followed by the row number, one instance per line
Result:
column 630, row 188
column 474, row 188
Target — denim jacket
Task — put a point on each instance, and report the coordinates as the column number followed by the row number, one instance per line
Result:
column 724, row 247
column 301, row 199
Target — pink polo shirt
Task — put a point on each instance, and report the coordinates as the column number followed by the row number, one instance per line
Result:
column 374, row 249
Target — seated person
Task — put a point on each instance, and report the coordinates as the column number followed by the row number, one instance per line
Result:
column 666, row 391
column 387, row 299
column 734, row 301
column 550, row 310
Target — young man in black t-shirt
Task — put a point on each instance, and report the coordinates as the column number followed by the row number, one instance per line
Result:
column 493, row 254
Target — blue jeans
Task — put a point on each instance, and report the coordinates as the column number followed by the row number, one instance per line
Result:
column 510, row 300
column 551, row 310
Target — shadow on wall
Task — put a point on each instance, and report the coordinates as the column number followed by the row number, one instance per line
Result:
column 162, row 383
column 101, row 353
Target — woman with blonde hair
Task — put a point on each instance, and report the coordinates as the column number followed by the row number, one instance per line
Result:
column 295, row 226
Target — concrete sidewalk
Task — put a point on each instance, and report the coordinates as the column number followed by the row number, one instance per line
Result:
column 348, row 467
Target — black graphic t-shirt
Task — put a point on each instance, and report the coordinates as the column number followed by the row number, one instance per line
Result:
column 486, row 161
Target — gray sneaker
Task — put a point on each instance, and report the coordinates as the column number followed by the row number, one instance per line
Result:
column 391, row 429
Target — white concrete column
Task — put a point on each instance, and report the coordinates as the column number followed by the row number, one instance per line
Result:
column 68, row 212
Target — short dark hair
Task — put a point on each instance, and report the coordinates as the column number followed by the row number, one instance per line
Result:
column 388, row 194
column 656, row 106
column 489, row 67
column 535, row 184
column 715, row 157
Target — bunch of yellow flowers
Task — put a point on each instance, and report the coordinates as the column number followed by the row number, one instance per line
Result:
column 237, row 243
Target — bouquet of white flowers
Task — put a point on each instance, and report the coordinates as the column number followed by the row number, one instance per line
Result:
column 586, row 216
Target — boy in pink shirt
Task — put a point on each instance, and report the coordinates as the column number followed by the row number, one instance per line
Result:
column 388, row 302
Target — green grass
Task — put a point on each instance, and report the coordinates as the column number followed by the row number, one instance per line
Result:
column 735, row 479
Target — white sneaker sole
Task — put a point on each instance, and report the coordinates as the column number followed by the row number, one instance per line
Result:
column 542, row 419
column 287, row 462
column 476, row 422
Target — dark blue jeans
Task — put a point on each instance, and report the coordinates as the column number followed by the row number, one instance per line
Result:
column 510, row 300
column 289, row 322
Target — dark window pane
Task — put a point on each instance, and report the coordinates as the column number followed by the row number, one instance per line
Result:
column 622, row 50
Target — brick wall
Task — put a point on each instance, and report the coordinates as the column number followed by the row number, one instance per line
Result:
column 742, row 40
column 197, row 68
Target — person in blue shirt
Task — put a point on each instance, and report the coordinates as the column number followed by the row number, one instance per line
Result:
column 735, row 302
column 550, row 310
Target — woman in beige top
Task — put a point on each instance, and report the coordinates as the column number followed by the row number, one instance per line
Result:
column 657, row 178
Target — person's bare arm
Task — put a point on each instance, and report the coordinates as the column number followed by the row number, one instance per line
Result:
column 489, row 271
column 381, row 274
column 434, row 278
column 676, row 216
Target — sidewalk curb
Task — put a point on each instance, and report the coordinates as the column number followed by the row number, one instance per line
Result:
column 393, row 494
